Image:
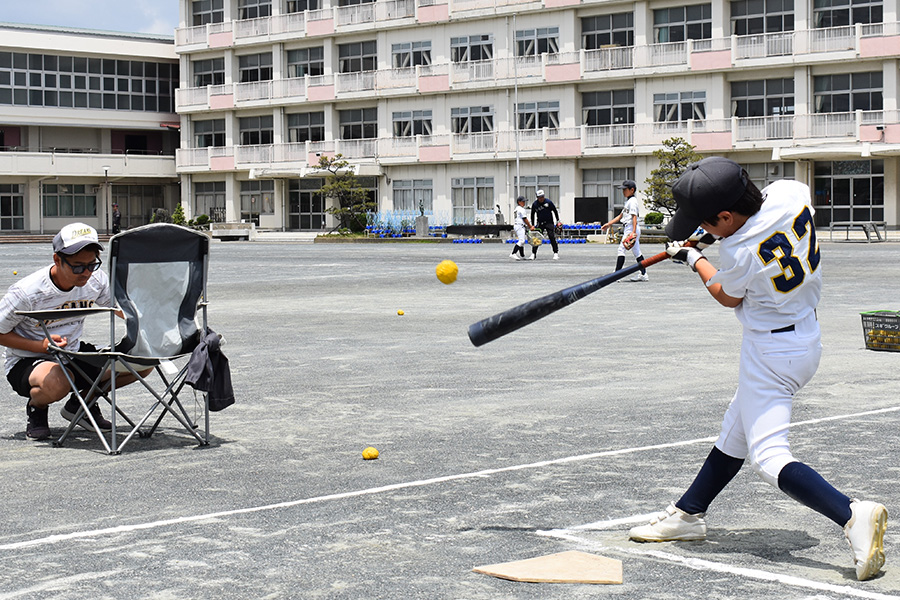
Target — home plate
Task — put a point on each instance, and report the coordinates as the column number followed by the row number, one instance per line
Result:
column 562, row 567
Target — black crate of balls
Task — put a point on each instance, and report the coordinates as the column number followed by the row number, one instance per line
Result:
column 881, row 330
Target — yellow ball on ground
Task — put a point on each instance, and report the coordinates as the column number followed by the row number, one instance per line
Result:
column 447, row 271
column 400, row 312
column 370, row 453
column 15, row 272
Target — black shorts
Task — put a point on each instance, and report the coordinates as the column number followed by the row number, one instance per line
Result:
column 21, row 372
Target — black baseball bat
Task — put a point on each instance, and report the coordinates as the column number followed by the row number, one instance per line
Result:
column 488, row 330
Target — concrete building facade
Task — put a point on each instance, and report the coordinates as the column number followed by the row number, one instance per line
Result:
column 87, row 118
column 459, row 105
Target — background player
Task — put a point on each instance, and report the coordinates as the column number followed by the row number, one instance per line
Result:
column 520, row 222
column 546, row 218
column 629, row 219
column 771, row 276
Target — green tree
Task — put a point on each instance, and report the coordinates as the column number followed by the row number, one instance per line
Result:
column 351, row 202
column 674, row 158
column 178, row 215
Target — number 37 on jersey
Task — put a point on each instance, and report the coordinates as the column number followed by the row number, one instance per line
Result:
column 795, row 250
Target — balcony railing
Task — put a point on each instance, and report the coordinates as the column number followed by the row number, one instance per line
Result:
column 643, row 138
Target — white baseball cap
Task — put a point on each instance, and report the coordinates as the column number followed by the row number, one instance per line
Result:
column 74, row 237
column 540, row 193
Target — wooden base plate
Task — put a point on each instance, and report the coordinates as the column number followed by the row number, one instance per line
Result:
column 563, row 567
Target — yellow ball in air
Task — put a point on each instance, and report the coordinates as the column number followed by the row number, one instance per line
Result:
column 447, row 271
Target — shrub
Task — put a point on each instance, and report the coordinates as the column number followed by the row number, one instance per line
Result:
column 653, row 218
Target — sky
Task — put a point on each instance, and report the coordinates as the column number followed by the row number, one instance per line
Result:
column 133, row 16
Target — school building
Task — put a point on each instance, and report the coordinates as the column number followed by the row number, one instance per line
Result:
column 87, row 118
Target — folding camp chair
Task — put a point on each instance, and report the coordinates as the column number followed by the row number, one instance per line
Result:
column 158, row 279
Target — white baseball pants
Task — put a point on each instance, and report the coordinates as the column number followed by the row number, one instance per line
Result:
column 774, row 366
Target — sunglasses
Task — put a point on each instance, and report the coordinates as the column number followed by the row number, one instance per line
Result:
column 79, row 269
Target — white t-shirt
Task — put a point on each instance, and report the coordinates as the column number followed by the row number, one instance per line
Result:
column 772, row 261
column 632, row 208
column 38, row 292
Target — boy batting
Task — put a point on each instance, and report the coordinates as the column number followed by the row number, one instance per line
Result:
column 770, row 275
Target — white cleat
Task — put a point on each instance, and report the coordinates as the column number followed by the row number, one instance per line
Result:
column 673, row 525
column 640, row 277
column 865, row 534
column 531, row 257
column 515, row 256
column 555, row 256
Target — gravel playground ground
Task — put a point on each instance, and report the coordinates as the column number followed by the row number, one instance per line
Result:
column 557, row 437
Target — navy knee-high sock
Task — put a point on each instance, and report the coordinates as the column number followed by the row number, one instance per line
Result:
column 639, row 260
column 619, row 262
column 806, row 486
column 714, row 475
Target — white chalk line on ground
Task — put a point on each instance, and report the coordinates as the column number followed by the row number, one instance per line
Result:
column 700, row 564
column 52, row 539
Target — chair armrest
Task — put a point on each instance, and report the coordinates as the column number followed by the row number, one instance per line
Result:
column 64, row 313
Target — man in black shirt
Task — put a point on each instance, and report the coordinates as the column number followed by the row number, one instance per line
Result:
column 545, row 217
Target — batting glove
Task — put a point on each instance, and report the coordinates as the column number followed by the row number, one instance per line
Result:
column 703, row 239
column 679, row 254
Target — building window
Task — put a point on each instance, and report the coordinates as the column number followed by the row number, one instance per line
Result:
column 850, row 190
column 66, row 200
column 209, row 200
column 306, row 61
column 413, row 195
column 600, row 183
column 207, row 11
column 359, row 124
column 12, row 207
column 607, row 30
column 410, row 54
column 537, row 115
column 411, row 123
column 306, row 127
column 257, row 198
column 682, row 23
column 679, row 106
column 764, row 97
column 848, row 92
column 762, row 174
column 306, row 205
column 607, row 108
column 752, row 17
column 78, row 82
column 256, row 130
column 254, row 9
column 209, row 72
column 256, row 67
column 354, row 2
column 471, row 48
column 295, row 6
column 473, row 119
column 837, row 13
column 531, row 42
column 209, row 133
column 471, row 197
column 358, row 57
column 138, row 203
column 529, row 185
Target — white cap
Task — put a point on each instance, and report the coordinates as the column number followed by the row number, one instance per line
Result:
column 540, row 193
column 74, row 237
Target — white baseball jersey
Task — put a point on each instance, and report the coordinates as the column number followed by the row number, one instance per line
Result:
column 520, row 215
column 38, row 292
column 632, row 208
column 779, row 241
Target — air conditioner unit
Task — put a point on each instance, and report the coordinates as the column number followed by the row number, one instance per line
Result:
column 96, row 189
